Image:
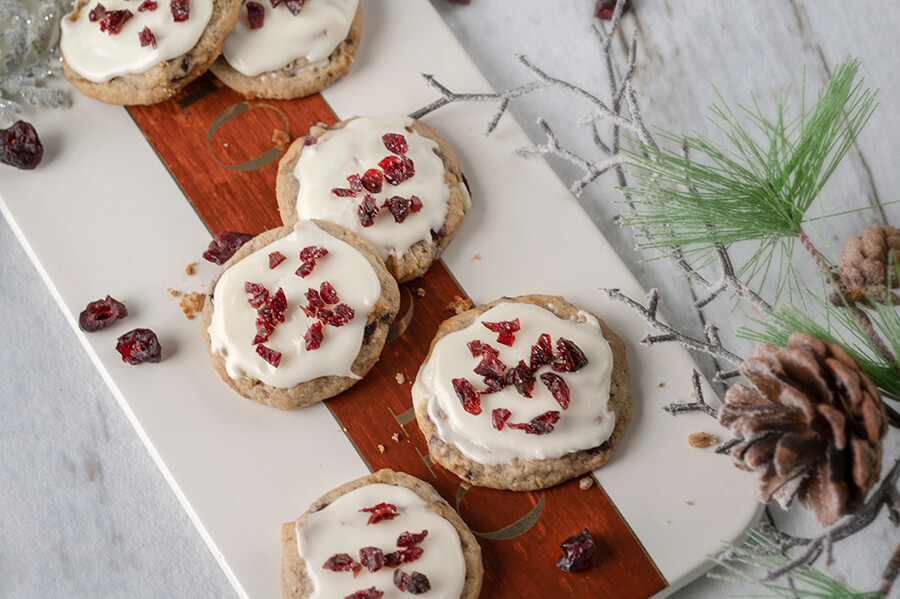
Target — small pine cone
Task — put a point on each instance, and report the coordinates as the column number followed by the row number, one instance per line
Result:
column 865, row 261
column 811, row 423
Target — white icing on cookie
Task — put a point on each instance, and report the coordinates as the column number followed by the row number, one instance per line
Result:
column 313, row 34
column 98, row 56
column 342, row 528
column 355, row 149
column 233, row 324
column 586, row 423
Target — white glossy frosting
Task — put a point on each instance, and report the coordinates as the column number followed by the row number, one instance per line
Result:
column 233, row 324
column 355, row 149
column 342, row 528
column 98, row 56
column 586, row 423
column 313, row 34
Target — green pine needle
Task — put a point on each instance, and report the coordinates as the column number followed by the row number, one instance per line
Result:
column 755, row 186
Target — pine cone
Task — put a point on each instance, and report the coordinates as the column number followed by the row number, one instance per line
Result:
column 865, row 261
column 811, row 423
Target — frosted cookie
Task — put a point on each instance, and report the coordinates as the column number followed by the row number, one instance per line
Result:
column 292, row 50
column 384, row 536
column 393, row 180
column 299, row 314
column 523, row 393
column 142, row 51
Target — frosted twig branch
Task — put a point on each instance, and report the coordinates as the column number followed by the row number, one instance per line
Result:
column 698, row 405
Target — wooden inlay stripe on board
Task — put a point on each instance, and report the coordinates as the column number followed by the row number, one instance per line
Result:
column 219, row 147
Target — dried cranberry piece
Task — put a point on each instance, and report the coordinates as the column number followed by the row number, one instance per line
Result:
column 415, row 204
column 255, row 14
column 274, row 3
column 343, row 192
column 367, row 211
column 467, row 394
column 310, row 140
column 342, row 315
column 499, row 416
column 138, row 346
column 505, row 328
column 97, row 13
column 100, row 314
column 522, row 377
column 273, row 309
column 295, row 6
column 493, row 384
column 558, row 388
column 147, row 38
column 147, row 5
column 539, row 425
column 395, row 143
column 268, row 354
column 328, row 294
column 408, row 539
column 490, row 366
column 181, row 10
column 577, row 551
column 401, row 579
column 324, row 315
column 371, row 558
column 369, row 593
column 404, row 556
column 309, row 256
column 605, row 9
column 478, row 347
column 355, row 182
column 397, row 170
column 400, row 207
column 382, row 511
column 369, row 331
column 276, row 258
column 541, row 352
column 418, row 584
column 259, row 295
column 315, row 300
column 224, row 245
column 372, row 179
column 264, row 330
column 113, row 20
column 568, row 357
column 342, row 562
column 313, row 336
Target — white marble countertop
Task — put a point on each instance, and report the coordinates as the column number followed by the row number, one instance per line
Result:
column 83, row 510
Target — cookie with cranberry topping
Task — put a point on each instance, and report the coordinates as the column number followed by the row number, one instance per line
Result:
column 523, row 393
column 274, row 53
column 450, row 557
column 299, row 314
column 393, row 180
column 142, row 51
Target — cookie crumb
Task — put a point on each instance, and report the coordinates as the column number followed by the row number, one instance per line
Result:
column 280, row 139
column 400, row 378
column 702, row 440
column 189, row 269
column 586, row 483
column 380, row 448
column 174, row 292
column 396, row 437
column 688, row 503
column 460, row 304
column 668, row 521
column 420, row 292
column 476, row 257
column 192, row 304
column 661, row 385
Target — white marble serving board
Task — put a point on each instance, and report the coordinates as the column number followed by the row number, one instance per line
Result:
column 102, row 215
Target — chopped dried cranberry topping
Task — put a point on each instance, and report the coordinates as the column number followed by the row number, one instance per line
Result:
column 490, row 366
column 499, row 416
column 539, row 425
column 259, row 295
column 372, row 180
column 113, row 20
column 295, row 6
column 276, row 258
column 138, row 346
column 401, row 207
column 100, row 314
column 478, row 347
column 342, row 315
column 264, row 330
column 310, row 139
column 408, row 539
column 255, row 14
column 415, row 204
column 401, row 579
column 313, row 336
column 309, row 256
column 371, row 558
column 577, row 552
column 467, row 394
column 324, row 315
column 522, row 377
column 315, row 300
column 404, row 556
column 382, row 511
column 397, row 170
column 367, row 211
column 328, row 294
column 355, row 182
column 395, row 143
column 342, row 562
column 493, row 384
column 369, row 593
column 414, row 584
column 147, row 38
column 343, row 192
column 605, row 9
column 568, row 357
column 147, row 5
column 97, row 13
column 273, row 309
column 268, row 354
column 541, row 352
column 181, row 10
column 505, row 328
column 558, row 388
column 224, row 245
